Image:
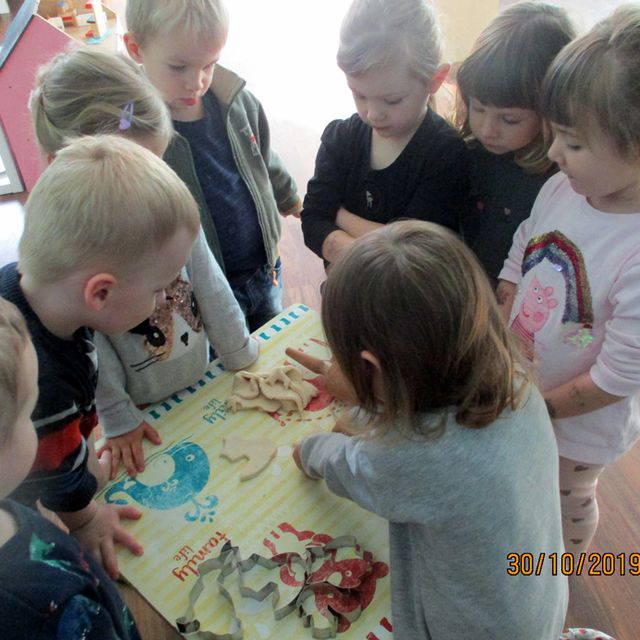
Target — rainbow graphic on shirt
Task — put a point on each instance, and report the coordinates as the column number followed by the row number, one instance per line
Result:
column 566, row 258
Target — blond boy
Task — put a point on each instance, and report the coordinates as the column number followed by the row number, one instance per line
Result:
column 221, row 149
column 47, row 580
column 108, row 227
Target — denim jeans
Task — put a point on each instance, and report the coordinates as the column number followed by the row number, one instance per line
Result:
column 259, row 298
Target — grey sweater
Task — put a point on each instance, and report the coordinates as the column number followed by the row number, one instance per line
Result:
column 144, row 366
column 457, row 506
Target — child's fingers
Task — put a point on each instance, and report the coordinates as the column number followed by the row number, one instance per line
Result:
column 122, row 536
column 151, row 434
column 138, row 456
column 310, row 362
column 296, row 456
column 109, row 558
column 128, row 461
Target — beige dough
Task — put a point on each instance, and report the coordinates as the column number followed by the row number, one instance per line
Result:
column 281, row 389
column 259, row 451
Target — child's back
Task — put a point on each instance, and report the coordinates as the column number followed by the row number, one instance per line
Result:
column 459, row 455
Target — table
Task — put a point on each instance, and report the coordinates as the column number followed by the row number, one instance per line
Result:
column 193, row 501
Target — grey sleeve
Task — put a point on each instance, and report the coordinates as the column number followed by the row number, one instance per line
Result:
column 284, row 187
column 346, row 469
column 117, row 412
column 221, row 315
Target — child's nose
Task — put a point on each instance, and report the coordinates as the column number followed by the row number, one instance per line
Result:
column 376, row 114
column 554, row 151
column 194, row 81
column 488, row 128
column 161, row 298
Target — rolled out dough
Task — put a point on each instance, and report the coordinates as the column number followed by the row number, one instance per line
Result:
column 281, row 389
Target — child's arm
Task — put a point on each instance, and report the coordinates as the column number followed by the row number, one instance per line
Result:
column 122, row 422
column 325, row 195
column 127, row 449
column 355, row 225
column 443, row 187
column 221, row 315
column 505, row 294
column 577, row 397
column 334, row 244
column 335, row 382
column 97, row 527
column 616, row 373
column 284, row 187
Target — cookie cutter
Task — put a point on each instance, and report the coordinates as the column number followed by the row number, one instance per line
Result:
column 187, row 624
column 229, row 560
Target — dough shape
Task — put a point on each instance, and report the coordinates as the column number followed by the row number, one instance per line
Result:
column 281, row 389
column 259, row 451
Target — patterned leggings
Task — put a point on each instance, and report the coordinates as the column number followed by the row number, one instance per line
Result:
column 578, row 483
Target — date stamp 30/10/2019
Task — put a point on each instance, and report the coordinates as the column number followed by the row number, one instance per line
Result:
column 570, row 564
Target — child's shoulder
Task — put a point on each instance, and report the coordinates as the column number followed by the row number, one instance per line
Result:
column 46, row 580
column 346, row 130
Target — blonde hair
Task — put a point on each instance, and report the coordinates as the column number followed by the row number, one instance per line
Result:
column 13, row 340
column 594, row 84
column 377, row 33
column 104, row 200
column 86, row 92
column 416, row 297
column 507, row 66
column 147, row 19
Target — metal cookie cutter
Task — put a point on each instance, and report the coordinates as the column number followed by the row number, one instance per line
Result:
column 188, row 624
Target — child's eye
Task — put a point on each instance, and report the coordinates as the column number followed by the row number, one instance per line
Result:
column 393, row 101
column 177, row 67
column 509, row 121
column 477, row 108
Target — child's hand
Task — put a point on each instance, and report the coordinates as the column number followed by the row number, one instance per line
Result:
column 99, row 530
column 294, row 211
column 296, row 456
column 298, row 460
column 335, row 382
column 128, row 448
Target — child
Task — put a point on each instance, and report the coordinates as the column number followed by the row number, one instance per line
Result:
column 86, row 91
column 395, row 157
column 458, row 453
column 500, row 85
column 222, row 151
column 107, row 228
column 570, row 283
column 50, row 587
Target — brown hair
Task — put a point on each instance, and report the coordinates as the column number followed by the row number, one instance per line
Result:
column 13, row 339
column 594, row 84
column 507, row 65
column 416, row 297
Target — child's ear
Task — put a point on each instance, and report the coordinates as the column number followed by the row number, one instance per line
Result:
column 98, row 289
column 376, row 373
column 133, row 46
column 369, row 357
column 439, row 77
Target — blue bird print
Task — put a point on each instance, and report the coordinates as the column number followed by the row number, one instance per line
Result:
column 173, row 478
